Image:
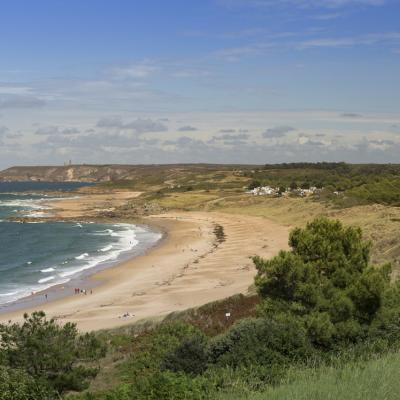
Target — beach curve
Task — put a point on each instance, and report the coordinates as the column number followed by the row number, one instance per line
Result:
column 204, row 256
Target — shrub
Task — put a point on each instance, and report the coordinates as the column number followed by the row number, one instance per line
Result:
column 158, row 350
column 168, row 385
column 190, row 356
column 254, row 184
column 18, row 385
column 260, row 341
column 49, row 352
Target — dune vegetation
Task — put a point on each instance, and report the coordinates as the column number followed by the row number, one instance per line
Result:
column 324, row 317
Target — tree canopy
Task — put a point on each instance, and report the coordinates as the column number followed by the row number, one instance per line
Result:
column 49, row 353
column 325, row 280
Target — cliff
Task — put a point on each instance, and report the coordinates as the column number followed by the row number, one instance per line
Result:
column 71, row 173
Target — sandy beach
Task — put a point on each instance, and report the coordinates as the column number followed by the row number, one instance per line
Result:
column 190, row 267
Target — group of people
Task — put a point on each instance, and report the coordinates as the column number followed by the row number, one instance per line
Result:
column 126, row 315
column 83, row 291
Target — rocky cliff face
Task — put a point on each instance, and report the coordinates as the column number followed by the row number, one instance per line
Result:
column 70, row 173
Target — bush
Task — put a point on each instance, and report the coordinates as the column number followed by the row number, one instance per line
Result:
column 254, row 184
column 173, row 346
column 167, row 385
column 190, row 356
column 18, row 385
column 260, row 341
column 48, row 352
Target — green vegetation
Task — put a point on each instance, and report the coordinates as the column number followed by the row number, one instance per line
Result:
column 356, row 183
column 376, row 379
column 39, row 359
column 324, row 283
column 325, row 324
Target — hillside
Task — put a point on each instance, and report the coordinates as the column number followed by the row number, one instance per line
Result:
column 106, row 173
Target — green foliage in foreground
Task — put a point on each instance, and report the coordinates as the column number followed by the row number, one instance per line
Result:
column 372, row 380
column 45, row 357
column 18, row 385
column 325, row 312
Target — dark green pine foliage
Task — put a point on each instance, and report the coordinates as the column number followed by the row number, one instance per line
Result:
column 325, row 282
column 50, row 354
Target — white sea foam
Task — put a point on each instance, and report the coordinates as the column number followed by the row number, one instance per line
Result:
column 82, row 256
column 107, row 248
column 105, row 232
column 9, row 294
column 33, row 208
column 126, row 241
column 47, row 270
column 44, row 280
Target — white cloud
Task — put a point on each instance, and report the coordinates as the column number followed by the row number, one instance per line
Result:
column 362, row 40
column 279, row 131
column 135, row 71
column 139, row 126
column 56, row 130
column 187, row 128
column 236, row 53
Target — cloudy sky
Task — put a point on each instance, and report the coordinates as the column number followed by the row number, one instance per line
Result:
column 229, row 81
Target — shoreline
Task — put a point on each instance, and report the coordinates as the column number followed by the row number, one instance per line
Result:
column 84, row 279
column 188, row 267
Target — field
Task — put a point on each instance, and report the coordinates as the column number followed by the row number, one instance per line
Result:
column 369, row 195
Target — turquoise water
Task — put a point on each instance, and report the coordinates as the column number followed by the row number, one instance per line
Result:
column 35, row 256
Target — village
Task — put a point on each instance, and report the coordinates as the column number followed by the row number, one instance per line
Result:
column 279, row 191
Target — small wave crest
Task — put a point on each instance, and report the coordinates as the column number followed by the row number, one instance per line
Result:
column 82, row 256
column 107, row 248
column 44, row 280
column 46, row 270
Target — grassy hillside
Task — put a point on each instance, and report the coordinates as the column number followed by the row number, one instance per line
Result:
column 376, row 379
column 357, row 183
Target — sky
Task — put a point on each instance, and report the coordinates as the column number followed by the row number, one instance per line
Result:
column 220, row 81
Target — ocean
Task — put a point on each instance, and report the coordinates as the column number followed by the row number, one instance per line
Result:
column 37, row 255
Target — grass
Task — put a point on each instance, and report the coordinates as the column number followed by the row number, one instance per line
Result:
column 374, row 380
column 186, row 200
column 379, row 223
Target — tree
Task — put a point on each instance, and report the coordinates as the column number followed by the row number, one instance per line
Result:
column 325, row 281
column 48, row 352
column 293, row 185
column 254, row 184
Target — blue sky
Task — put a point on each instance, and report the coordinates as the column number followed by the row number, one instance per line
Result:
column 199, row 81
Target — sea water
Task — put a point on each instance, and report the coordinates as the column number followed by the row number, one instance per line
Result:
column 37, row 255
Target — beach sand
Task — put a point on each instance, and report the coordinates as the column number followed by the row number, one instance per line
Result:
column 187, row 269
